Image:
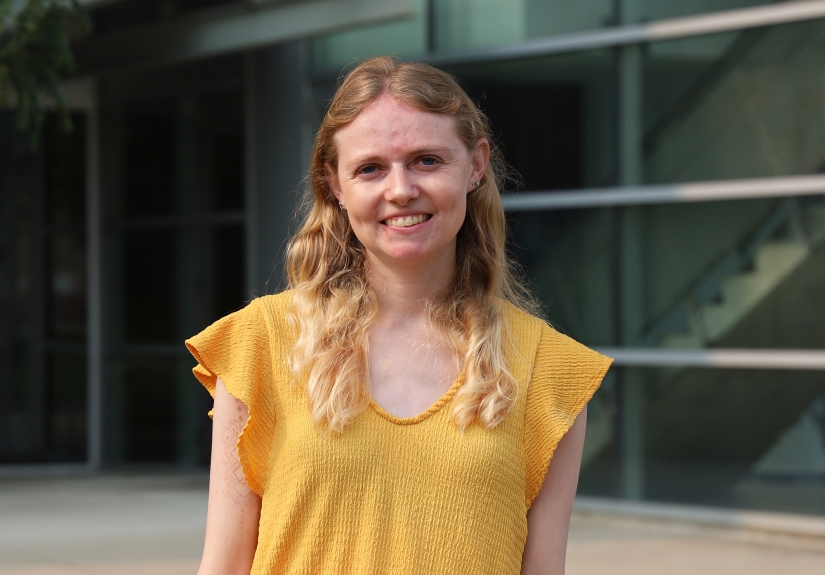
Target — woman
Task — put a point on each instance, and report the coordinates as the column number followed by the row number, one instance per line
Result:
column 398, row 410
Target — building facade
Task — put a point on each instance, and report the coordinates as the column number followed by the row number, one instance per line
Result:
column 669, row 210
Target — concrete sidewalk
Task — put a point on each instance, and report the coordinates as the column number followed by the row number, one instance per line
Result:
column 107, row 525
column 125, row 525
column 691, row 541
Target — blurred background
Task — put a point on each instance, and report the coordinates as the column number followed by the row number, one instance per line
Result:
column 671, row 213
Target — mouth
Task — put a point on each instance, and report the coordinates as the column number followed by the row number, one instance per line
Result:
column 407, row 221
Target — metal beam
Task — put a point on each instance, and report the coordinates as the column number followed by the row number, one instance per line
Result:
column 232, row 30
column 94, row 289
column 712, row 23
column 809, row 359
column 667, row 194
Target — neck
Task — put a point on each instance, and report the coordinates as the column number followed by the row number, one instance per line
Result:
column 403, row 288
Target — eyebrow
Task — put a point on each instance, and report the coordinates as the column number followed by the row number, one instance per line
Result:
column 423, row 151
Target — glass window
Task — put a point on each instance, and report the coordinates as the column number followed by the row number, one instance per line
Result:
column 556, row 17
column 42, row 293
column 227, row 270
column 175, row 253
column 149, row 286
column 66, row 401
column 406, row 38
column 742, row 104
column 143, row 410
column 148, row 160
column 746, row 273
column 554, row 117
column 742, row 438
column 648, row 10
column 444, row 26
column 465, row 24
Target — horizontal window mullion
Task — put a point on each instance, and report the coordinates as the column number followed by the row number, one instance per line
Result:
column 666, row 194
column 808, row 359
column 670, row 29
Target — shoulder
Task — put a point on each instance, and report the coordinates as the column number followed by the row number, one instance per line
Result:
column 271, row 315
column 275, row 307
column 276, row 301
column 548, row 351
column 523, row 329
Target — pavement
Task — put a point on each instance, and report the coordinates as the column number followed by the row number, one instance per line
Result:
column 129, row 525
column 102, row 525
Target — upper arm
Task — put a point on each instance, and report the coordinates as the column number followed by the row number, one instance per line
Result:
column 548, row 519
column 234, row 509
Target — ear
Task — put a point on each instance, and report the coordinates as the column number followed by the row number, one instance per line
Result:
column 479, row 158
column 332, row 180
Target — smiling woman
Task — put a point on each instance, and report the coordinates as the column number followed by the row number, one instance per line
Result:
column 403, row 409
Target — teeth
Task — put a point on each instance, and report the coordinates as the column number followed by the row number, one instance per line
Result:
column 407, row 221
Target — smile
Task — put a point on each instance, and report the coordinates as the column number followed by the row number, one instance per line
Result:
column 407, row 221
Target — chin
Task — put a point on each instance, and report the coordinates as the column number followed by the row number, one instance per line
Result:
column 406, row 255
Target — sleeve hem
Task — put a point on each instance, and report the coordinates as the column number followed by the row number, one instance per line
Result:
column 208, row 377
column 587, row 393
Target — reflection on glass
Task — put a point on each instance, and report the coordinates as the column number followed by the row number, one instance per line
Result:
column 66, row 398
column 465, row 24
column 735, row 438
column 149, row 286
column 600, row 465
column 445, row 26
column 650, row 10
column 149, row 159
column 746, row 274
column 67, row 293
column 228, row 268
column 554, row 117
column 42, row 293
column 176, row 259
column 143, row 410
column 406, row 38
column 735, row 105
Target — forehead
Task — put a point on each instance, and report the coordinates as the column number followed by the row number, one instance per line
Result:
column 388, row 125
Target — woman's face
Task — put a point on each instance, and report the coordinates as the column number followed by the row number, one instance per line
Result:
column 403, row 177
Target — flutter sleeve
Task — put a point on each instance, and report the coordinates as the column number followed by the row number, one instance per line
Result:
column 237, row 349
column 565, row 376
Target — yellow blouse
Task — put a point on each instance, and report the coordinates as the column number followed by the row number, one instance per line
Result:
column 391, row 494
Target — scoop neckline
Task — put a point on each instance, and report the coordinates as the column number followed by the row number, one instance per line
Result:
column 426, row 414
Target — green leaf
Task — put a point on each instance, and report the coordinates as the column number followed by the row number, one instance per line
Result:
column 35, row 53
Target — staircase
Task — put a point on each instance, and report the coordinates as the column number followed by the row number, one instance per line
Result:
column 755, row 112
column 718, row 302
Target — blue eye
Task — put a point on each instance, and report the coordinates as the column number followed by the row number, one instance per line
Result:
column 368, row 169
column 428, row 161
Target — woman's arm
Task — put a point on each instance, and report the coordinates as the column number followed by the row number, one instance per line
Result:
column 548, row 519
column 234, row 509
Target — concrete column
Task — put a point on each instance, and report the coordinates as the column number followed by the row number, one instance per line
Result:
column 279, row 129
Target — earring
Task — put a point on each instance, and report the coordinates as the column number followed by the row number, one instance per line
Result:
column 476, row 184
column 341, row 206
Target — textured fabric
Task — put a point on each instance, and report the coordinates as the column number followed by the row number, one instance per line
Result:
column 389, row 494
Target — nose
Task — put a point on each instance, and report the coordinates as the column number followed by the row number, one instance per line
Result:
column 400, row 187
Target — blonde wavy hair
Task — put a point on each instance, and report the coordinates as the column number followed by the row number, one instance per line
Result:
column 333, row 305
